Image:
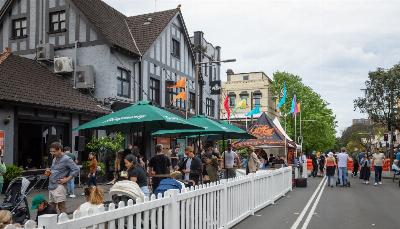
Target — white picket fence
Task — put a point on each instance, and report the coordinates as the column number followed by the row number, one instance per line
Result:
column 217, row 205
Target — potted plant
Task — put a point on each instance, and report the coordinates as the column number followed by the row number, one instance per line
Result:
column 106, row 149
column 12, row 172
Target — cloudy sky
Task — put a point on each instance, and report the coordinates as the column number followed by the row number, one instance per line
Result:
column 331, row 44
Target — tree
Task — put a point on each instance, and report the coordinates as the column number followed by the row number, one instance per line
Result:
column 381, row 100
column 361, row 135
column 317, row 135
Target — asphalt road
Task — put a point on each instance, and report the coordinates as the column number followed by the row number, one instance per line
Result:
column 359, row 207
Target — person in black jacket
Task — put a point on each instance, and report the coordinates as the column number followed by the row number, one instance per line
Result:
column 191, row 167
column 314, row 160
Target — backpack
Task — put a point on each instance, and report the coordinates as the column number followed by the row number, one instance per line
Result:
column 167, row 184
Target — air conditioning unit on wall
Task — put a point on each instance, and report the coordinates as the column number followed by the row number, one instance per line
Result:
column 45, row 52
column 85, row 77
column 63, row 65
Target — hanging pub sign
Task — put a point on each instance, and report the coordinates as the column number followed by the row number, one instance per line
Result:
column 215, row 87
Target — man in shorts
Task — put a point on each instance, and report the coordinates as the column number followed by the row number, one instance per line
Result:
column 63, row 169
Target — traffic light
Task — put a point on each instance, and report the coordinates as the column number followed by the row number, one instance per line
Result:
column 385, row 137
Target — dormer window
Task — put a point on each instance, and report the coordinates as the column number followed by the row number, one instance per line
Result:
column 57, row 22
column 19, row 28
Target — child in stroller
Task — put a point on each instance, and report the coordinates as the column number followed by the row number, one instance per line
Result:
column 15, row 198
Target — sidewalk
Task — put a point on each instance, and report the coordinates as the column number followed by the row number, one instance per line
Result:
column 72, row 203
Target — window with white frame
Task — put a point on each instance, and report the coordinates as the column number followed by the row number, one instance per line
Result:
column 57, row 22
column 19, row 28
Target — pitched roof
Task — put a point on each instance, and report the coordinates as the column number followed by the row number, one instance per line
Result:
column 128, row 33
column 23, row 80
column 109, row 22
column 265, row 131
column 147, row 27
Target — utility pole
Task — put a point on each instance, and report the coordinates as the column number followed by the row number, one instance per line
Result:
column 251, row 107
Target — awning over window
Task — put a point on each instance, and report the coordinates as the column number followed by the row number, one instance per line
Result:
column 231, row 94
column 244, row 93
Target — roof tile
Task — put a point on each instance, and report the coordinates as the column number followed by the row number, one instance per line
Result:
column 26, row 81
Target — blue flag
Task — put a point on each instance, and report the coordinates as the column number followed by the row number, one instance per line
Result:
column 283, row 99
column 294, row 104
column 255, row 110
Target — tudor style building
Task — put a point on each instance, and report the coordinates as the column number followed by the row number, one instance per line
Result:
column 116, row 59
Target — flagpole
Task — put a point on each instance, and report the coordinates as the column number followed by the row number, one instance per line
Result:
column 187, row 99
column 295, row 128
column 301, row 133
column 285, row 136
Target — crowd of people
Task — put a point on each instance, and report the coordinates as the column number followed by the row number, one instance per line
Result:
column 331, row 163
column 188, row 167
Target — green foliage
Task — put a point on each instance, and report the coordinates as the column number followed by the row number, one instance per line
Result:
column 358, row 137
column 243, row 152
column 318, row 135
column 101, row 172
column 382, row 95
column 109, row 143
column 12, row 172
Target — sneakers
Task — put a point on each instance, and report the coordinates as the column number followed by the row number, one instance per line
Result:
column 379, row 182
column 375, row 184
column 366, row 182
column 72, row 196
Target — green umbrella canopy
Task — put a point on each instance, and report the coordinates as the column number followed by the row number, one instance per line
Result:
column 138, row 116
column 210, row 127
column 235, row 132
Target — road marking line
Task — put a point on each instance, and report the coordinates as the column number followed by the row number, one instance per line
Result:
column 311, row 213
column 305, row 209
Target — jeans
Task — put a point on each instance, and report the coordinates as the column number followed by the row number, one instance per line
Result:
column 92, row 180
column 343, row 175
column 378, row 174
column 71, row 186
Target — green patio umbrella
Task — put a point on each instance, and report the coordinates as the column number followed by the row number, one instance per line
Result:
column 141, row 116
column 138, row 116
column 210, row 127
column 217, row 130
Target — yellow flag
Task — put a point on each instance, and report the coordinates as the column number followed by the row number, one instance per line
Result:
column 241, row 104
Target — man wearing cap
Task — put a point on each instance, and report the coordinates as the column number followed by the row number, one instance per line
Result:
column 229, row 159
column 43, row 207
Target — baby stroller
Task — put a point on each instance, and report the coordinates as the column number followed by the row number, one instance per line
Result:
column 15, row 198
column 125, row 190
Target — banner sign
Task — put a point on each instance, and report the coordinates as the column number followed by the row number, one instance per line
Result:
column 215, row 87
